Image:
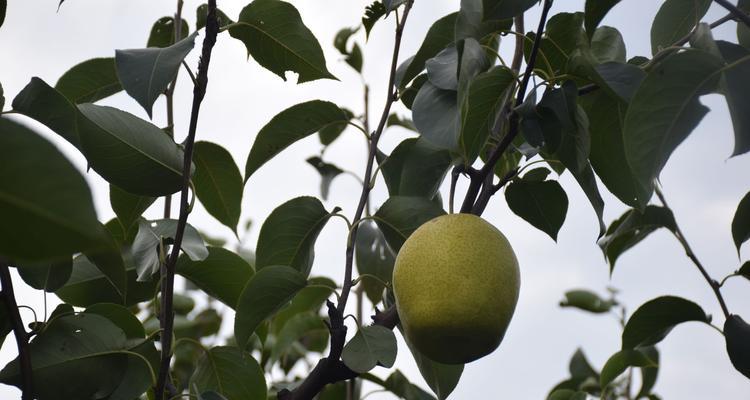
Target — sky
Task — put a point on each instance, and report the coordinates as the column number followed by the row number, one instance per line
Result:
column 702, row 184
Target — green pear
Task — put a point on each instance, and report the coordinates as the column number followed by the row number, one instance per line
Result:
column 456, row 283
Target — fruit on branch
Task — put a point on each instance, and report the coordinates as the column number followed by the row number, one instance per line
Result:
column 456, row 283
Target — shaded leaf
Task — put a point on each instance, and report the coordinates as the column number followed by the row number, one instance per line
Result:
column 223, row 274
column 399, row 216
column 674, row 20
column 595, row 11
column 374, row 257
column 652, row 321
column 230, row 372
column 502, row 9
column 607, row 45
column 399, row 385
column 48, row 276
column 415, row 168
column 620, row 362
column 371, row 345
column 90, row 81
column 296, row 328
column 218, row 183
column 580, row 367
column 542, row 204
column 327, row 172
column 163, row 31
column 736, row 90
column 307, row 300
column 150, row 236
column 632, row 227
column 6, row 326
column 568, row 138
column 39, row 101
column 649, row 374
column 621, row 79
column 201, row 13
column 567, row 394
column 586, row 300
column 373, row 13
column 441, row 378
column 737, row 333
column 438, row 37
column 436, row 116
column 128, row 207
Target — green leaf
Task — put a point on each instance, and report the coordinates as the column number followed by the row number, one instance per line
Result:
column 147, row 241
column 230, row 372
column 663, row 112
column 595, row 11
column 371, row 345
column 587, row 181
column 737, row 333
column 201, row 13
column 296, row 328
column 631, row 228
column 399, row 216
column 745, row 270
column 6, row 326
column 607, row 45
column 438, row 37
column 674, row 20
column 46, row 276
column 741, row 222
column 2, row 98
column 736, row 89
column 620, row 362
column 42, row 103
column 580, row 367
column 480, row 109
column 210, row 395
column 569, row 137
column 127, row 206
column 146, row 73
column 3, row 8
column 267, row 292
column 88, row 285
column 586, row 300
column 743, row 31
column 222, row 275
column 374, row 257
column 307, row 300
column 441, row 378
column 294, row 123
column 542, row 204
column 567, row 394
column 218, row 183
column 415, row 168
column 649, row 374
column 90, row 81
column 43, row 199
column 620, row 79
column 437, row 117
column 288, row 235
column 120, row 316
column 163, row 30
column 502, row 9
column 276, row 37
column 373, row 13
column 652, row 321
column 327, row 172
column 399, row 385
column 563, row 36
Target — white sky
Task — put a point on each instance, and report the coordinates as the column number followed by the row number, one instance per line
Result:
column 702, row 185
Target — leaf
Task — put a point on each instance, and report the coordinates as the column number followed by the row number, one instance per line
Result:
column 580, row 367
column 649, row 374
column 43, row 199
column 479, row 111
column 607, row 45
column 631, row 228
column 2, row 98
column 294, row 123
column 587, row 181
column 674, row 20
column 620, row 79
column 399, row 216
column 652, row 321
column 400, row 386
column 288, row 235
column 619, row 363
column 128, row 207
column 146, row 73
column 230, row 372
column 735, row 88
column 567, row 394
column 438, row 37
column 442, row 70
column 296, row 328
column 87, row 285
column 595, row 11
column 163, row 32
column 3, row 8
column 745, row 270
column 737, row 333
column 371, row 345
column 542, row 204
column 149, row 238
column 276, row 37
column 441, row 378
column 415, row 168
column 374, row 257
column 436, row 116
column 48, row 276
column 563, row 36
column 663, row 112
column 307, row 300
column 569, row 138
column 201, row 13
column 741, row 222
column 269, row 290
column 502, row 9
column 373, row 13
column 42, row 103
column 222, row 275
column 90, row 81
column 218, row 183
column 327, row 173
column 587, row 300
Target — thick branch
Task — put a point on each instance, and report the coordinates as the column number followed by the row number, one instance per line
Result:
column 199, row 91
column 22, row 338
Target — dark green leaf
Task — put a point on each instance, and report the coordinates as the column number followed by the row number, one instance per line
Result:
column 2, row 98
column 120, row 316
column 269, row 290
column 296, row 328
column 586, row 300
column 652, row 321
column 395, row 120
column 415, row 168
column 441, row 378
column 128, row 207
column 400, row 386
column 308, row 300
column 41, row 102
column 567, row 394
column 230, row 372
column 3, row 8
column 620, row 79
column 595, row 12
column 743, row 31
column 110, row 262
column 745, row 270
column 620, row 362
column 587, row 181
column 442, row 70
column 632, row 227
column 675, row 19
column 607, row 45
column 569, row 138
column 146, row 73
column 502, row 9
column 663, row 112
column 371, row 345
column 43, row 199
column 438, row 37
column 223, row 274
column 736, row 89
column 373, row 13
column 327, row 172
column 737, row 333
column 649, row 374
column 201, row 13
column 150, row 236
column 399, row 216
column 218, row 183
column 580, row 367
column 6, row 326
column 288, row 235
column 163, row 31
column 47, row 276
column 276, row 37
column 90, row 81
column 294, row 123
column 342, row 38
column 542, row 204
column 210, row 395
column 355, row 58
column 436, row 116
column 563, row 36
column 374, row 257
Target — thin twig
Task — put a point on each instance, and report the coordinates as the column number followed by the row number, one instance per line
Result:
column 199, row 91
column 22, row 338
column 735, row 11
column 515, row 65
column 689, row 252
column 170, row 97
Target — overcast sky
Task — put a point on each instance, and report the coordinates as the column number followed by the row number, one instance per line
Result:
column 701, row 183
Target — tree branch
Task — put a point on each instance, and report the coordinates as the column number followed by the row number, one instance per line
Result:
column 739, row 14
column 170, row 97
column 22, row 338
column 199, row 91
column 479, row 181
